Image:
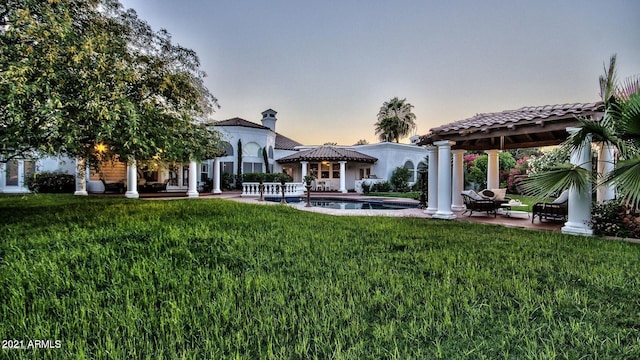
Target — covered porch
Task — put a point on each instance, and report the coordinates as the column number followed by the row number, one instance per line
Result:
column 495, row 132
column 334, row 168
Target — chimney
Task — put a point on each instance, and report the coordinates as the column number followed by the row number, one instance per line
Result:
column 269, row 119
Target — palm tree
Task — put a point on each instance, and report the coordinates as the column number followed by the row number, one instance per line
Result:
column 619, row 127
column 395, row 120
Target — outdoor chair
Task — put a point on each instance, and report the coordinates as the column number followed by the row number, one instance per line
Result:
column 475, row 202
column 556, row 210
column 113, row 186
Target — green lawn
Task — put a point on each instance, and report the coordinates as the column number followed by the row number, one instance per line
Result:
column 407, row 195
column 116, row 278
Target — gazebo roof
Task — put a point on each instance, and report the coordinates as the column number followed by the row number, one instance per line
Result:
column 328, row 153
column 525, row 127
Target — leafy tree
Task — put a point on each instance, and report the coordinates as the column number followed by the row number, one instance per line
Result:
column 395, row 120
column 619, row 127
column 362, row 142
column 78, row 74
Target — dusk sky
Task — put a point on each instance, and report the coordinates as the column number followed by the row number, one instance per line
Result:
column 327, row 66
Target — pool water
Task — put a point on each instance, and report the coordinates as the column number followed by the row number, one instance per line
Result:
column 342, row 204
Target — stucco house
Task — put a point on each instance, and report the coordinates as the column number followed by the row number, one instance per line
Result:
column 336, row 168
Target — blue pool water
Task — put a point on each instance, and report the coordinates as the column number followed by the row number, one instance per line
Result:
column 344, row 204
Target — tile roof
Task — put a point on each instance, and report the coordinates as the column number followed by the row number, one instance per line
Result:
column 328, row 153
column 525, row 127
column 523, row 114
column 236, row 121
column 285, row 143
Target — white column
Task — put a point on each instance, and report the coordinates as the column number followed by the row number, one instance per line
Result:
column 216, row 176
column 343, row 175
column 2, row 176
column 458, row 180
column 193, row 180
column 444, row 180
column 304, row 168
column 606, row 164
column 493, row 169
column 132, row 181
column 81, row 178
column 432, row 196
column 579, row 205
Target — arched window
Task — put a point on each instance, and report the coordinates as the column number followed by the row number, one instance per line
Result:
column 252, row 149
column 412, row 170
column 270, row 152
column 228, row 149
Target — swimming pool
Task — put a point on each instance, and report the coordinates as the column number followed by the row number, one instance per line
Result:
column 349, row 204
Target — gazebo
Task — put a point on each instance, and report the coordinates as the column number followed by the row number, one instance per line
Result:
column 494, row 132
column 322, row 162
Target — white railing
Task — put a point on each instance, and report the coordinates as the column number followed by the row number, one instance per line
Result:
column 272, row 189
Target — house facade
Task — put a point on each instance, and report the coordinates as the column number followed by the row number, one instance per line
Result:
column 255, row 147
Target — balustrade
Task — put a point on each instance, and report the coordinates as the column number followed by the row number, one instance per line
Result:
column 272, row 189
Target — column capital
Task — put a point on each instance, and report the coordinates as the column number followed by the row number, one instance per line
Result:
column 572, row 129
column 304, row 162
column 458, row 151
column 342, row 162
column 444, row 143
column 492, row 151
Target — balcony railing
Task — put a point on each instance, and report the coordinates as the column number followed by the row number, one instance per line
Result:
column 272, row 189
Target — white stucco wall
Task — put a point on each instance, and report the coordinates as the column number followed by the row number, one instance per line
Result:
column 263, row 137
column 392, row 155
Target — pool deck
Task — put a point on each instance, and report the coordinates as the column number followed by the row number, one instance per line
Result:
column 519, row 220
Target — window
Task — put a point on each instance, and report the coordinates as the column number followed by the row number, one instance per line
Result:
column 228, row 148
column 365, row 173
column 249, row 167
column 270, row 152
column 12, row 173
column 29, row 168
column 226, row 167
column 204, row 172
column 252, row 149
column 336, row 171
column 409, row 166
column 185, row 175
column 313, row 170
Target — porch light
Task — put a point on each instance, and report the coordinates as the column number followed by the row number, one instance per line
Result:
column 101, row 148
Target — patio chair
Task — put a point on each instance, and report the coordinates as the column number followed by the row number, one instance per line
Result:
column 556, row 210
column 475, row 202
column 113, row 186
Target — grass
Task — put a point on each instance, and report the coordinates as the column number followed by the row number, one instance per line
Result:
column 192, row 279
column 406, row 195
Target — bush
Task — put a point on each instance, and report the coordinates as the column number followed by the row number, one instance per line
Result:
column 51, row 182
column 400, row 179
column 381, row 187
column 227, row 181
column 613, row 218
column 266, row 177
column 366, row 187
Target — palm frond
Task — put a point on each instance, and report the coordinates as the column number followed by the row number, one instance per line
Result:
column 565, row 176
column 626, row 178
column 630, row 116
column 628, row 87
column 608, row 81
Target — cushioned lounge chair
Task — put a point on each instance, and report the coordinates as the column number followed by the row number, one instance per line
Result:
column 556, row 210
column 475, row 202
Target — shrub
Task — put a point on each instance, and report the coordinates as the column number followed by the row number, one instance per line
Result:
column 366, row 187
column 227, row 181
column 51, row 182
column 613, row 218
column 400, row 179
column 381, row 187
